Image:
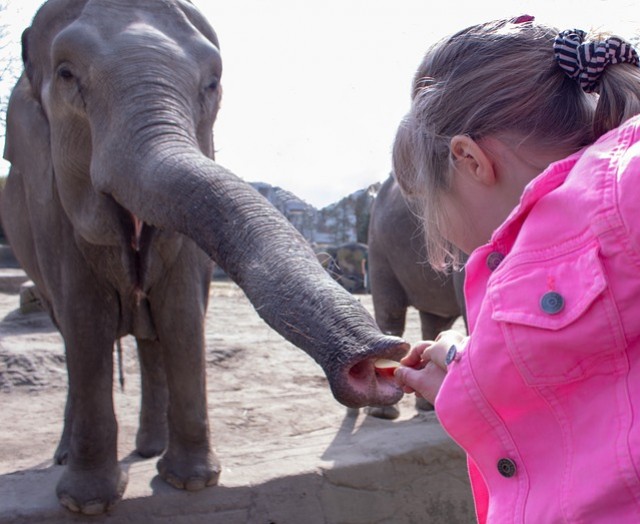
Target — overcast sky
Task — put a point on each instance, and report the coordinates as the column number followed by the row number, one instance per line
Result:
column 314, row 91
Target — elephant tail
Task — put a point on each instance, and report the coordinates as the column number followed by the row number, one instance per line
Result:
column 120, row 365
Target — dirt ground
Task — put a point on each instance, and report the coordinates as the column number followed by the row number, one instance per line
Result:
column 261, row 389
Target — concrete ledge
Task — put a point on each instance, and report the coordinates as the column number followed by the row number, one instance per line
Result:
column 11, row 279
column 290, row 453
column 371, row 471
column 7, row 258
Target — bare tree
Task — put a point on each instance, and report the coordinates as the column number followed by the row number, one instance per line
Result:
column 9, row 64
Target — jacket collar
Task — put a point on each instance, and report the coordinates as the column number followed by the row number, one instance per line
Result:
column 547, row 181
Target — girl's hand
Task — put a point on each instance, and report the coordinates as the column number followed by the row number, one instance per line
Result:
column 424, row 368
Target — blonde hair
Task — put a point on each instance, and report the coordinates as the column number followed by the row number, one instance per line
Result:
column 494, row 78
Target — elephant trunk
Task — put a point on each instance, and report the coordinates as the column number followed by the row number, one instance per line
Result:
column 268, row 258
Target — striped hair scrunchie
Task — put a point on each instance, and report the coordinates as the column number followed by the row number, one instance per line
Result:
column 585, row 61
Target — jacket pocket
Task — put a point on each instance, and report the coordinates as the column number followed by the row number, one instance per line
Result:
column 558, row 318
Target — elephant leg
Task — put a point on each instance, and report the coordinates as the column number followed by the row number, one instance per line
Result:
column 189, row 461
column 152, row 436
column 422, row 404
column 432, row 325
column 392, row 321
column 93, row 481
column 390, row 302
column 385, row 412
column 390, row 309
column 178, row 307
column 62, row 451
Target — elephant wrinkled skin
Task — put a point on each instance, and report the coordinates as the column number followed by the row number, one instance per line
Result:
column 115, row 207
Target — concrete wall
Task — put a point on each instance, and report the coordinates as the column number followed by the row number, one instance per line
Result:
column 370, row 471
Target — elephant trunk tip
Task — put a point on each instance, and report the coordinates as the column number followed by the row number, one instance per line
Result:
column 363, row 385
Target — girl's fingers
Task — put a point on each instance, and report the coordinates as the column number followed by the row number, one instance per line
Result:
column 425, row 382
column 424, row 368
column 414, row 359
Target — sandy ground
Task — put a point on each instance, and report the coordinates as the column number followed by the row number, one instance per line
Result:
column 261, row 389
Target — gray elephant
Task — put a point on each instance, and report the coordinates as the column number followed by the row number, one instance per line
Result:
column 399, row 273
column 115, row 207
column 400, row 276
column 346, row 263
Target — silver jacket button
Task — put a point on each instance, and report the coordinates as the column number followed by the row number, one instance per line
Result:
column 493, row 260
column 552, row 303
column 506, row 467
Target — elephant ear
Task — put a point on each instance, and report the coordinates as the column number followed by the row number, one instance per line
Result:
column 27, row 144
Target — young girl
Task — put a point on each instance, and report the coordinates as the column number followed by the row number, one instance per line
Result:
column 522, row 148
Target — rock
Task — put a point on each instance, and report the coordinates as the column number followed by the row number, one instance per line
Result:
column 30, row 301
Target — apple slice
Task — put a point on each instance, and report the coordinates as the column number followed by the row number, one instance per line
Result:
column 386, row 367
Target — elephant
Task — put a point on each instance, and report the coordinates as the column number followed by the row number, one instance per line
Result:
column 346, row 263
column 400, row 276
column 116, row 209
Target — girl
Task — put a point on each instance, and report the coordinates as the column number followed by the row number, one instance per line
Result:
column 522, row 148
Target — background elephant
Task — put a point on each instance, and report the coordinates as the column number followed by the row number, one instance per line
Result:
column 114, row 206
column 400, row 276
column 346, row 264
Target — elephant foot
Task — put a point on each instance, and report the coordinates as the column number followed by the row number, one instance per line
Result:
column 385, row 412
column 62, row 453
column 423, row 404
column 91, row 492
column 189, row 471
column 151, row 441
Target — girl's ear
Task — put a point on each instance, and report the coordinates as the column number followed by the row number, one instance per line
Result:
column 472, row 160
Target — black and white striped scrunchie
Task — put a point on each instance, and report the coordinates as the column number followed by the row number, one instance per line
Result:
column 585, row 61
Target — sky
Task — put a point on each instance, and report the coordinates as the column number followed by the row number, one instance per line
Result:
column 314, row 91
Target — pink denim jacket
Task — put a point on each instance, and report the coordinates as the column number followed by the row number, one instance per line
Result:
column 545, row 398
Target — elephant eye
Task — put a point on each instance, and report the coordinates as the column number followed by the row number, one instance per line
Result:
column 213, row 85
column 65, row 73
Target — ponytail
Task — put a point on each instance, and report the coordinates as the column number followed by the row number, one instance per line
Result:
column 619, row 98
column 608, row 67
